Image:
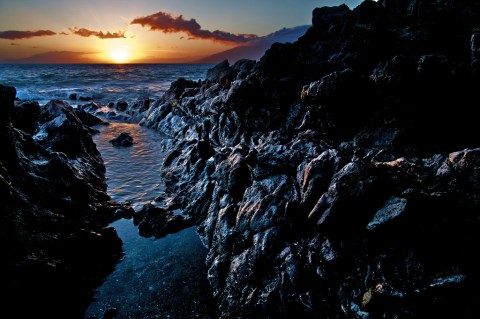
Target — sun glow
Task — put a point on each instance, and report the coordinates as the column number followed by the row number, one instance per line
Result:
column 120, row 54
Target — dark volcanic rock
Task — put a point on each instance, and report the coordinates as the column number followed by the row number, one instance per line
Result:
column 56, row 246
column 158, row 222
column 89, row 107
column 88, row 119
column 219, row 73
column 326, row 17
column 124, row 140
column 121, row 106
column 26, row 116
column 338, row 176
column 85, row 98
column 179, row 87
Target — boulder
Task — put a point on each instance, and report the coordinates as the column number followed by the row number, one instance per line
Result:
column 123, row 140
column 220, row 72
column 158, row 222
column 121, row 106
column 87, row 118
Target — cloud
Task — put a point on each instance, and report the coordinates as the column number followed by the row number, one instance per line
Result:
column 14, row 44
column 64, row 33
column 167, row 23
column 17, row 35
column 87, row 33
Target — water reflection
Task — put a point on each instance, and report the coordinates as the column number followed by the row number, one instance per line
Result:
column 164, row 278
column 133, row 173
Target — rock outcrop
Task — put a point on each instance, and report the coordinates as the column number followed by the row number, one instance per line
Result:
column 55, row 245
column 123, row 140
column 159, row 222
column 338, row 176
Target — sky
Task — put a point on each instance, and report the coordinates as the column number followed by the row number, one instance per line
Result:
column 141, row 31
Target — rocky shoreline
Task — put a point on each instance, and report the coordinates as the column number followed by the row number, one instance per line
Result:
column 56, row 245
column 338, row 177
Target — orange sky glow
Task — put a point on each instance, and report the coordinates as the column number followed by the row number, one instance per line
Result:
column 144, row 31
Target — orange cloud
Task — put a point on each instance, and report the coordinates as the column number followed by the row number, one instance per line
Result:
column 83, row 32
column 17, row 35
column 167, row 23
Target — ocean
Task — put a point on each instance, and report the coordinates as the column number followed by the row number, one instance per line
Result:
column 104, row 83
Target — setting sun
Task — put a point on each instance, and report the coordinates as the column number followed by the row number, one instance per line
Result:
column 120, row 55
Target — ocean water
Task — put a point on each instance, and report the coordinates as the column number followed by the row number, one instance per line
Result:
column 103, row 82
column 133, row 173
column 157, row 278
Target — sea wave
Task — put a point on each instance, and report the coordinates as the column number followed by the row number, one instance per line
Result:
column 104, row 83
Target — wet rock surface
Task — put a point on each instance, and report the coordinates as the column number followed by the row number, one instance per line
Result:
column 158, row 222
column 123, row 140
column 338, row 176
column 56, row 245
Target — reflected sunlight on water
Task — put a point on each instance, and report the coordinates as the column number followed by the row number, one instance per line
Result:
column 164, row 278
column 133, row 173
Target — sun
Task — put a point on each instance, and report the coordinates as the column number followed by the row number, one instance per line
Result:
column 120, row 55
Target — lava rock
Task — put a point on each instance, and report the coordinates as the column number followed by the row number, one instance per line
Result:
column 110, row 313
column 121, row 106
column 220, row 72
column 55, row 210
column 157, row 222
column 178, row 87
column 87, row 118
column 329, row 180
column 123, row 140
column 26, row 115
column 325, row 17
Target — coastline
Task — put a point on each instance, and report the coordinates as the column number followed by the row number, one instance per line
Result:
column 326, row 179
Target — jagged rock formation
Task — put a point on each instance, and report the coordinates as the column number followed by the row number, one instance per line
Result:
column 338, row 177
column 55, row 245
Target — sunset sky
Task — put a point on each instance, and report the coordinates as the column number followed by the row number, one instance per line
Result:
column 141, row 31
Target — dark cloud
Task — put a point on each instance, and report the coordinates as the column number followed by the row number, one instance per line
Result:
column 14, row 44
column 64, row 33
column 87, row 33
column 167, row 23
column 17, row 35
